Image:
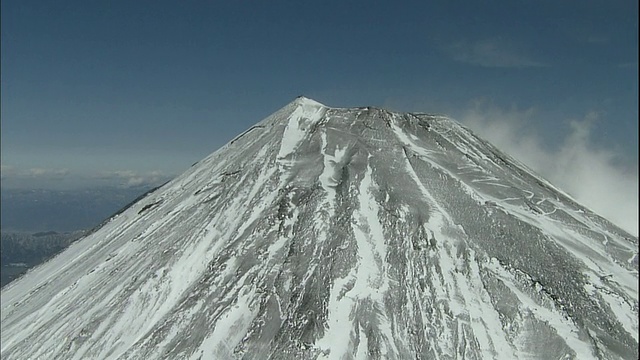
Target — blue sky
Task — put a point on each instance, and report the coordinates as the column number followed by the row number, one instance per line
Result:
column 97, row 92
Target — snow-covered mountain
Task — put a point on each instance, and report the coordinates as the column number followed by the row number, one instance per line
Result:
column 326, row 233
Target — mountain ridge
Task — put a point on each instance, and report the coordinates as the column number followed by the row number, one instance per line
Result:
column 302, row 100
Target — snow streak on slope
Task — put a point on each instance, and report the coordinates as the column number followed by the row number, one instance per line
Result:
column 301, row 121
column 325, row 233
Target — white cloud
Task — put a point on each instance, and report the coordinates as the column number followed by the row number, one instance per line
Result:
column 628, row 65
column 130, row 178
column 135, row 181
column 493, row 53
column 9, row 171
column 597, row 39
column 6, row 171
column 47, row 173
column 35, row 177
column 63, row 178
column 590, row 174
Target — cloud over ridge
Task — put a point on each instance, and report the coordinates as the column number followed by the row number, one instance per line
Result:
column 590, row 173
column 490, row 53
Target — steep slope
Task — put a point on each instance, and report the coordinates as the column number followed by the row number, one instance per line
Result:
column 325, row 233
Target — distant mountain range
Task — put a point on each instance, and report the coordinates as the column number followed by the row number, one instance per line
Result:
column 21, row 251
column 37, row 224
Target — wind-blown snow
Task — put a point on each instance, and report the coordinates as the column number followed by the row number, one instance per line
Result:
column 301, row 121
column 324, row 233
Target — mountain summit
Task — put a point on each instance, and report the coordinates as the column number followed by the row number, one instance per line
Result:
column 326, row 233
